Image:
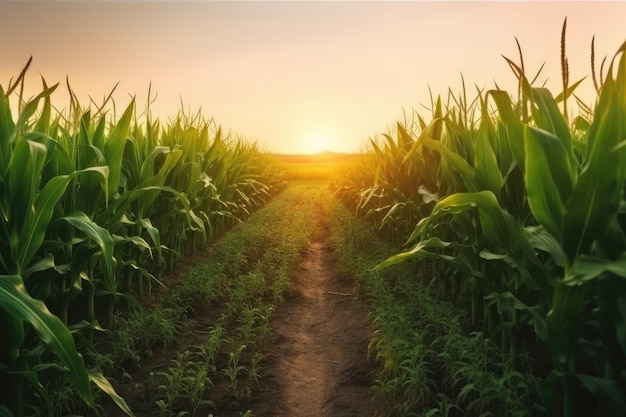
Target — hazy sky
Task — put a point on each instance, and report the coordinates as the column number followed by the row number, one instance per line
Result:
column 296, row 76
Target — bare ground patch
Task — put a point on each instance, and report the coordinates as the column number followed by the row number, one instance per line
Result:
column 316, row 363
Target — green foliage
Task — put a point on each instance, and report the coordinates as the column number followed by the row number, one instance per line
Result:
column 528, row 216
column 93, row 210
column 428, row 365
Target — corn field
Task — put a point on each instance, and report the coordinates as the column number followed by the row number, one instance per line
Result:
column 95, row 208
column 514, row 209
column 509, row 205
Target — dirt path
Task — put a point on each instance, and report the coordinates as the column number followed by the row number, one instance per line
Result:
column 316, row 362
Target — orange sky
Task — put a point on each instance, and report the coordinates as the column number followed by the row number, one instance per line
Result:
column 297, row 76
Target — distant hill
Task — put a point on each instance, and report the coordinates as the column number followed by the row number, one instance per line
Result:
column 322, row 157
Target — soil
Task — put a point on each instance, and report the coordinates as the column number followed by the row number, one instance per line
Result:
column 316, row 363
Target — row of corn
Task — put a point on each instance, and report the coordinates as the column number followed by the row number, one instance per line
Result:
column 93, row 209
column 517, row 211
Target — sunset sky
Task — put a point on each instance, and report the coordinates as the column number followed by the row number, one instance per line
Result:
column 297, row 77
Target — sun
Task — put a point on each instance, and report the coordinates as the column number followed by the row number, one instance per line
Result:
column 316, row 141
column 319, row 144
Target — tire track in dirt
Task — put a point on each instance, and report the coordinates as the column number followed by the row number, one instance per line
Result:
column 316, row 362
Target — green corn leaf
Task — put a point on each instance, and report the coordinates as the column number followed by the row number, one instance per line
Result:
column 43, row 264
column 114, row 148
column 19, row 304
column 25, row 168
column 548, row 178
column 455, row 163
column 43, row 121
column 504, row 233
column 598, row 193
column 28, row 110
column 151, row 178
column 432, row 131
column 391, row 212
column 591, row 208
column 91, row 195
column 33, row 232
column 103, row 239
column 485, row 163
column 39, row 218
column 154, row 234
column 6, row 129
column 460, row 140
column 548, row 117
column 58, row 160
column 415, row 252
column 570, row 90
column 607, row 391
column 137, row 241
column 543, row 240
column 106, row 387
column 424, row 250
column 512, row 124
column 586, row 268
column 99, row 137
column 563, row 322
column 595, row 200
column 114, row 214
column 537, row 312
column 142, row 272
column 581, row 123
column 497, row 224
column 491, row 256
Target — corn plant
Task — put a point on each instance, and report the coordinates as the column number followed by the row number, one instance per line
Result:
column 557, row 266
column 94, row 208
column 234, row 370
column 28, row 201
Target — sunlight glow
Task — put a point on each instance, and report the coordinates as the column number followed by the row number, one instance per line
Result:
column 316, row 140
column 300, row 77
